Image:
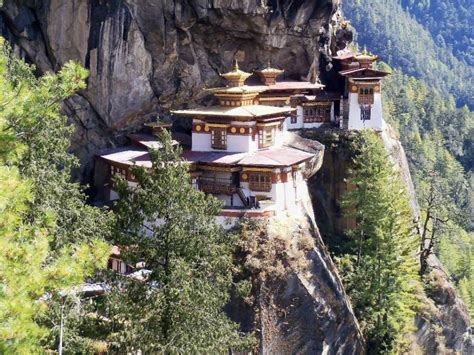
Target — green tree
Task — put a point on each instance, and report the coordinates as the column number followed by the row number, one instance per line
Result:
column 167, row 224
column 380, row 271
column 29, row 268
column 438, row 141
column 45, row 135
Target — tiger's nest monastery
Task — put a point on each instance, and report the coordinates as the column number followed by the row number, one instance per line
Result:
column 241, row 150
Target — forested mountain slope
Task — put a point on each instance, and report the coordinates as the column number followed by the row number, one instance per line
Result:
column 438, row 138
column 390, row 31
column 428, row 44
column 449, row 22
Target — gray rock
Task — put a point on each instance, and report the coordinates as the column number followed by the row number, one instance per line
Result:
column 146, row 56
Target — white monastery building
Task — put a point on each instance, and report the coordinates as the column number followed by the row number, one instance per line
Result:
column 238, row 150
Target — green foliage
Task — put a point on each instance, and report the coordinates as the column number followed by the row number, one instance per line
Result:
column 456, row 251
column 29, row 268
column 438, row 138
column 45, row 136
column 449, row 22
column 380, row 270
column 170, row 226
column 389, row 30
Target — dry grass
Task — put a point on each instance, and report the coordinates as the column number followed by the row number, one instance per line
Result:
column 274, row 249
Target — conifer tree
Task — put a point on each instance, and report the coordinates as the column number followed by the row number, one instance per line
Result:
column 45, row 135
column 381, row 271
column 29, row 269
column 167, row 224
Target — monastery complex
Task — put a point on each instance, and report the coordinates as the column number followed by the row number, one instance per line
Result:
column 242, row 149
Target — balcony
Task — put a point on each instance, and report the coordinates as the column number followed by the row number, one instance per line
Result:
column 213, row 185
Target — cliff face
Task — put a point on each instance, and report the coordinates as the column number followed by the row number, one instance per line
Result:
column 300, row 306
column 147, row 56
column 307, row 312
column 442, row 325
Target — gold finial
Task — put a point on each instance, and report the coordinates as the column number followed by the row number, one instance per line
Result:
column 269, row 63
column 235, row 65
column 365, row 51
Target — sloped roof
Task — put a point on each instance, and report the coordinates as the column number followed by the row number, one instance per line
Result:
column 363, row 72
column 212, row 157
column 128, row 155
column 272, row 157
column 251, row 111
column 294, row 85
column 147, row 141
column 344, row 56
column 284, row 156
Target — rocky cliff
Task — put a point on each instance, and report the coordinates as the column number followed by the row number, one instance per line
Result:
column 147, row 56
column 299, row 305
column 442, row 325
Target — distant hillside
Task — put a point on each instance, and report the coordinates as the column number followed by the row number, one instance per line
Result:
column 449, row 22
column 389, row 30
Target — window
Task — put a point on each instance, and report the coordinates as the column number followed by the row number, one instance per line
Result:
column 366, row 96
column 293, row 119
column 266, row 137
column 219, row 138
column 365, row 112
column 115, row 170
column 260, row 182
column 316, row 114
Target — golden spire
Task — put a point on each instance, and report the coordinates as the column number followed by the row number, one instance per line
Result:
column 269, row 74
column 235, row 65
column 236, row 77
column 365, row 59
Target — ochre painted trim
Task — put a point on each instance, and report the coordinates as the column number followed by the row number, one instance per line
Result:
column 258, row 169
column 217, row 125
column 219, row 168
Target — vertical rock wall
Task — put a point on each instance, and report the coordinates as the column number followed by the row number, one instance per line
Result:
column 146, row 56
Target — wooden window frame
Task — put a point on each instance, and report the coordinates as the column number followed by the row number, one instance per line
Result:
column 366, row 95
column 316, row 114
column 260, row 182
column 266, row 137
column 219, row 138
column 365, row 112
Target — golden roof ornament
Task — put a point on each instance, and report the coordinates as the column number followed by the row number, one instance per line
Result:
column 236, row 77
column 365, row 56
column 157, row 126
column 269, row 69
column 269, row 74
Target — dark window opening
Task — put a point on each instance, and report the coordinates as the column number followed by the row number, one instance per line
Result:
column 365, row 111
column 219, row 138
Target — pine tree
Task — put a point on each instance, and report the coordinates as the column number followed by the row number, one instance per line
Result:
column 167, row 224
column 29, row 270
column 381, row 271
column 45, row 135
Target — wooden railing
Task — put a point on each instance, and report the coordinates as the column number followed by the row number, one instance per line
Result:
column 217, row 185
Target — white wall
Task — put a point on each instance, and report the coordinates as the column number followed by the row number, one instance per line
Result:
column 299, row 119
column 312, row 125
column 201, row 142
column 376, row 120
column 300, row 124
column 237, row 143
column 279, row 137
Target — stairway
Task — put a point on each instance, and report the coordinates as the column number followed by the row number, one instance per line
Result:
column 243, row 198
